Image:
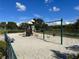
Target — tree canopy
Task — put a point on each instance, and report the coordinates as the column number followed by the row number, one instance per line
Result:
column 11, row 25
column 23, row 25
column 39, row 24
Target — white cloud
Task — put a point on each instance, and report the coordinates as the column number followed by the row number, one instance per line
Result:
column 77, row 8
column 54, row 23
column 50, row 9
column 19, row 23
column 55, row 9
column 20, row 7
column 48, row 1
column 37, row 15
column 68, row 22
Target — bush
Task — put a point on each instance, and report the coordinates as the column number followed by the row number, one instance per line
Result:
column 1, row 32
column 11, row 31
column 73, row 56
column 78, row 56
column 70, row 57
column 1, row 55
column 14, row 31
column 3, row 46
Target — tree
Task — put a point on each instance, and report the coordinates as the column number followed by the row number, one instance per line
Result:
column 38, row 23
column 69, row 28
column 23, row 25
column 77, row 23
column 76, row 26
column 11, row 25
column 3, row 25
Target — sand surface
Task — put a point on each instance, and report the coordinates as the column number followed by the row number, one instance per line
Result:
column 34, row 47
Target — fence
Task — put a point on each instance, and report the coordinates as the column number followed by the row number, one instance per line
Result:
column 10, row 54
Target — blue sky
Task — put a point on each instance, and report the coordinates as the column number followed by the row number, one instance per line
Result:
column 24, row 10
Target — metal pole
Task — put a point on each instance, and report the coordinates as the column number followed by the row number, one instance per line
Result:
column 43, row 35
column 61, row 31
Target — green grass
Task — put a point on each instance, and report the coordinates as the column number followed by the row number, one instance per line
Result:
column 11, row 31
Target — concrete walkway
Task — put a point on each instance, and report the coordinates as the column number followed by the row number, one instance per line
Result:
column 33, row 48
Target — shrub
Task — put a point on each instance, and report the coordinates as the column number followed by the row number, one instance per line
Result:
column 69, row 57
column 2, row 44
column 15, row 31
column 11, row 31
column 1, row 32
column 78, row 56
column 2, row 48
column 1, row 55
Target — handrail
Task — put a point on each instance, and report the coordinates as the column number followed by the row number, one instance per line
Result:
column 10, row 54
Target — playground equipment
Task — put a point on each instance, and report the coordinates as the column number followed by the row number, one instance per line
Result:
column 29, row 31
column 53, row 30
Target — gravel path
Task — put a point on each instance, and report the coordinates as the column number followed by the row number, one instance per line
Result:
column 34, row 48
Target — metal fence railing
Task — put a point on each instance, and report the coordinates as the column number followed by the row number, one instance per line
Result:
column 10, row 54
